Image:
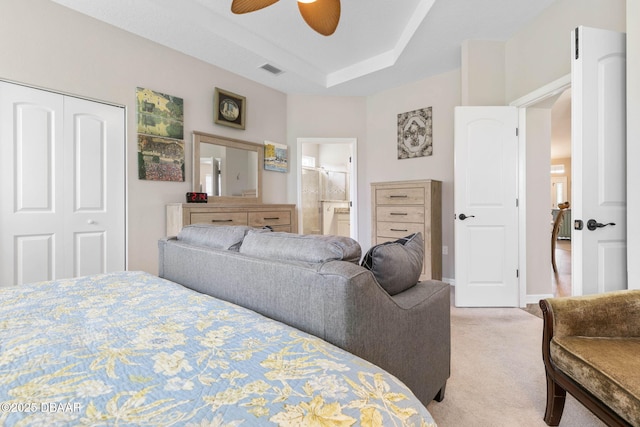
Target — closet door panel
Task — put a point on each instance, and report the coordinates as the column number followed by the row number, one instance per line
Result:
column 31, row 141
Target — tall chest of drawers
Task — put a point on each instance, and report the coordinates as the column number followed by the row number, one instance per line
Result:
column 400, row 208
column 278, row 217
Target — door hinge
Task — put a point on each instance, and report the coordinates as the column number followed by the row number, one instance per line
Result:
column 516, row 131
column 517, row 203
column 517, row 273
column 577, row 44
column 350, row 204
column 349, row 159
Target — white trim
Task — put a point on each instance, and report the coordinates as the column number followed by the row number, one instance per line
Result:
column 540, row 94
column 546, row 91
column 353, row 187
column 535, row 298
column 449, row 280
column 522, row 205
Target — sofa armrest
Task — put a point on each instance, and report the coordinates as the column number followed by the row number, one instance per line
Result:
column 613, row 314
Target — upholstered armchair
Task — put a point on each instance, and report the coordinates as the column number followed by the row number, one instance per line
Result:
column 591, row 349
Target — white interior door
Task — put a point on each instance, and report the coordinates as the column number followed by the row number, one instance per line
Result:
column 486, row 225
column 598, row 76
column 62, row 166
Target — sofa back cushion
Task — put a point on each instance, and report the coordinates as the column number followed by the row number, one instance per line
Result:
column 396, row 265
column 300, row 247
column 214, row 236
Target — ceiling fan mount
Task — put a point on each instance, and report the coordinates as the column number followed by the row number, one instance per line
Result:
column 321, row 15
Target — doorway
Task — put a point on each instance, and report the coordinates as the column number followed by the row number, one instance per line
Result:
column 327, row 186
column 535, row 215
column 561, row 193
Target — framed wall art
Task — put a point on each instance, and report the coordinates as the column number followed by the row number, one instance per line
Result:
column 415, row 133
column 275, row 157
column 229, row 109
column 160, row 136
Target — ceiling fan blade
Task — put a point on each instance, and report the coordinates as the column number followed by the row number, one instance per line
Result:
column 245, row 6
column 321, row 15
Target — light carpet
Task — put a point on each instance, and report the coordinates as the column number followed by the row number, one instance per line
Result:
column 497, row 373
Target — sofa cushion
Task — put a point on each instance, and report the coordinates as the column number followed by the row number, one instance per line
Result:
column 609, row 368
column 300, row 247
column 396, row 265
column 214, row 236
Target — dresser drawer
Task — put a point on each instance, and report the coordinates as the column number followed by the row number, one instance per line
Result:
column 400, row 213
column 398, row 229
column 260, row 219
column 400, row 196
column 219, row 218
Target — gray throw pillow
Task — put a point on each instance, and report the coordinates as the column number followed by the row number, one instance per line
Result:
column 214, row 236
column 310, row 248
column 396, row 265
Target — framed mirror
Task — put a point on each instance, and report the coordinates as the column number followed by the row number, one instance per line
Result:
column 228, row 170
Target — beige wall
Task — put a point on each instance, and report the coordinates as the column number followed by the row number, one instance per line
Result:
column 538, row 211
column 442, row 93
column 540, row 52
column 633, row 141
column 483, row 72
column 47, row 45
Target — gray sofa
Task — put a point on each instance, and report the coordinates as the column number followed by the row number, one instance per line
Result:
column 315, row 284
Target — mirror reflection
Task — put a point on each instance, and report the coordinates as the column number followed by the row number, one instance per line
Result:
column 227, row 171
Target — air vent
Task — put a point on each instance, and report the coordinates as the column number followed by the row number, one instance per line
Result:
column 273, row 70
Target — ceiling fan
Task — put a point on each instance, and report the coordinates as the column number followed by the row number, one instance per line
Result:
column 321, row 15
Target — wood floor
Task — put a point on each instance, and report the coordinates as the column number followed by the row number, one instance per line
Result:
column 561, row 281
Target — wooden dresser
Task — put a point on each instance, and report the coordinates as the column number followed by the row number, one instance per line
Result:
column 279, row 217
column 401, row 208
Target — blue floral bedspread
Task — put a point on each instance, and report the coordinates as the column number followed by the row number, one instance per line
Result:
column 133, row 349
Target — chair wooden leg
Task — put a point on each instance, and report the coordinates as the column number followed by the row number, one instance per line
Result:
column 553, row 256
column 556, row 396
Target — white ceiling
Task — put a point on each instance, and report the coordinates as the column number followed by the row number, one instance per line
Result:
column 379, row 44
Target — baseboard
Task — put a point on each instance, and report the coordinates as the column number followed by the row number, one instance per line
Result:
column 535, row 299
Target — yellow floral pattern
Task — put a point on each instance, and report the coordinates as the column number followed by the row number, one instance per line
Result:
column 132, row 349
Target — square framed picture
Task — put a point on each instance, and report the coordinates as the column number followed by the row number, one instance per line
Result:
column 276, row 157
column 415, row 133
column 229, row 109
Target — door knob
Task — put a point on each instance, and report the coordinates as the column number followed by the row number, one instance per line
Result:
column 462, row 216
column 592, row 224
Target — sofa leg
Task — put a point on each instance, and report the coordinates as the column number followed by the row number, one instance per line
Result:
column 440, row 396
column 555, row 402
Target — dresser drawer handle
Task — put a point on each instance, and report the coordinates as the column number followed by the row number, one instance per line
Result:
column 273, row 218
column 398, row 213
column 221, row 220
column 398, row 196
column 397, row 229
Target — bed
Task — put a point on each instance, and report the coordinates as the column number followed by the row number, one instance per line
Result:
column 129, row 348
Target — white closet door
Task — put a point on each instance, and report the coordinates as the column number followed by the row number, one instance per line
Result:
column 95, row 193
column 62, row 190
